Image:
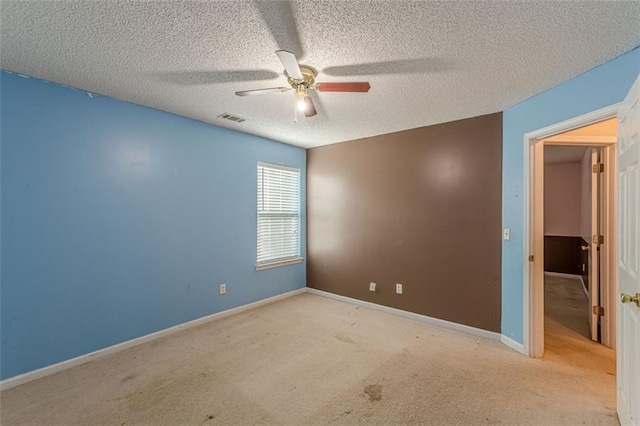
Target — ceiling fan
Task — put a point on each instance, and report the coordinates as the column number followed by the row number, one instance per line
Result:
column 301, row 79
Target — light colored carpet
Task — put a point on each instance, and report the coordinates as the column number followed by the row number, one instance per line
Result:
column 310, row 360
column 566, row 303
column 568, row 335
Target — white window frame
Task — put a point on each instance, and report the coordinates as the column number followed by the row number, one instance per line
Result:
column 289, row 260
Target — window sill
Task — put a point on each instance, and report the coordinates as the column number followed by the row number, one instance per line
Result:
column 277, row 263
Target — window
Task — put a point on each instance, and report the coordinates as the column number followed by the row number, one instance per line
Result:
column 278, row 215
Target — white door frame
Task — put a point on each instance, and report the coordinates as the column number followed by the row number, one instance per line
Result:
column 533, row 226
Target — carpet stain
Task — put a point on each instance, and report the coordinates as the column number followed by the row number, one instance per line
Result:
column 129, row 377
column 343, row 338
column 345, row 413
column 374, row 392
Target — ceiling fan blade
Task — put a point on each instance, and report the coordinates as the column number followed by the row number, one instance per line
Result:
column 281, row 23
column 318, row 104
column 310, row 109
column 290, row 64
column 262, row 91
column 344, row 87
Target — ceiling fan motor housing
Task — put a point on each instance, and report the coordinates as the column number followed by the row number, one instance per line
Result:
column 309, row 75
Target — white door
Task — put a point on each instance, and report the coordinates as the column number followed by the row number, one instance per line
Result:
column 628, row 354
column 594, row 254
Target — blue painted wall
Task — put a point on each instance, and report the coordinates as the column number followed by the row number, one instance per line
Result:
column 600, row 87
column 120, row 220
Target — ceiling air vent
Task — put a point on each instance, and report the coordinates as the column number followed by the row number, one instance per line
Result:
column 232, row 117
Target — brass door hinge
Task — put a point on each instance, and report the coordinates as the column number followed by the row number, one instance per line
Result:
column 598, row 310
column 598, row 168
column 530, row 258
column 597, row 239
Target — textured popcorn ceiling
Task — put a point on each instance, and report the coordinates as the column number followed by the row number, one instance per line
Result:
column 427, row 62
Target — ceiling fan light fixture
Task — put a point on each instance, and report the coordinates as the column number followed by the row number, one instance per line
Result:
column 301, row 93
column 301, row 79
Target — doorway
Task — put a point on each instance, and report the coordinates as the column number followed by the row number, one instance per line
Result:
column 573, row 221
column 572, row 205
column 575, row 232
column 576, row 223
column 571, row 134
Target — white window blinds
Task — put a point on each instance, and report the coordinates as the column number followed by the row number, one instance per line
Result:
column 278, row 213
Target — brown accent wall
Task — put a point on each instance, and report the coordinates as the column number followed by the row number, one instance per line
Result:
column 563, row 254
column 420, row 207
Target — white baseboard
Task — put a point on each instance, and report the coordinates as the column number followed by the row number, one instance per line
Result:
column 508, row 341
column 584, row 287
column 560, row 275
column 101, row 353
column 410, row 315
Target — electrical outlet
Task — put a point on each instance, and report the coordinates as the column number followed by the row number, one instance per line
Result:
column 372, row 286
column 507, row 233
column 399, row 288
column 223, row 288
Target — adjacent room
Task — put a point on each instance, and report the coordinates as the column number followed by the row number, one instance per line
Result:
column 290, row 212
column 575, row 278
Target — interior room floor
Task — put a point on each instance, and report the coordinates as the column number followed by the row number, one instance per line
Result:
column 312, row 360
column 566, row 305
column 567, row 333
